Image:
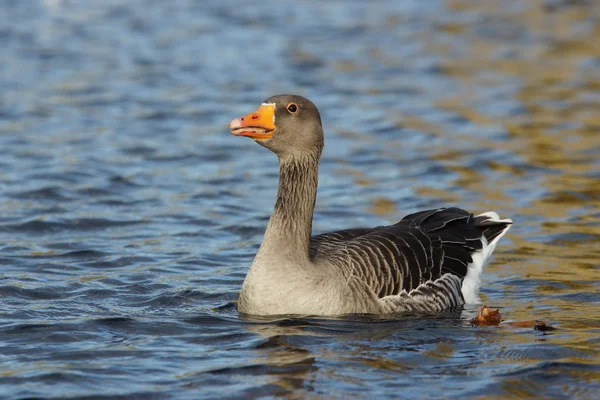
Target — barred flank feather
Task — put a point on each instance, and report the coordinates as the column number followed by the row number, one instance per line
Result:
column 421, row 263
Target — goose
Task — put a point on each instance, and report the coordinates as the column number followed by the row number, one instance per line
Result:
column 430, row 261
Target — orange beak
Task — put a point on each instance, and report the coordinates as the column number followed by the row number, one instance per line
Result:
column 258, row 125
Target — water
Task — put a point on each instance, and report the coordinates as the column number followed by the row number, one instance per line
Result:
column 129, row 216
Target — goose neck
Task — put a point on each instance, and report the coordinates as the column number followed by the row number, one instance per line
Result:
column 290, row 226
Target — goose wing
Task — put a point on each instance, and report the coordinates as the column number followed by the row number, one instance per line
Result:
column 429, row 250
column 325, row 243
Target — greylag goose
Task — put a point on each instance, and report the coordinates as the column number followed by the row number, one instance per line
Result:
column 430, row 261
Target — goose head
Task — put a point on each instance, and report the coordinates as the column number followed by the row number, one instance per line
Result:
column 288, row 125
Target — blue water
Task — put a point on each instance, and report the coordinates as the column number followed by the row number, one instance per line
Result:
column 129, row 216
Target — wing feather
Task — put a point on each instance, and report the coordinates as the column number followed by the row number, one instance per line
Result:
column 411, row 257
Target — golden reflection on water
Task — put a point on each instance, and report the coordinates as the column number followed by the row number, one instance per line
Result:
column 554, row 127
column 541, row 66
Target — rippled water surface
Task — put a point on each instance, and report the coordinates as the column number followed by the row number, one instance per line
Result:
column 129, row 215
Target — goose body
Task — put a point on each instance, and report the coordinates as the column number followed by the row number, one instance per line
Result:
column 429, row 261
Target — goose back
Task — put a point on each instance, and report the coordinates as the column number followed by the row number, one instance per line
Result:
column 421, row 260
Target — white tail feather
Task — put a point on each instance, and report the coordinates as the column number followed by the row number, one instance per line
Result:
column 472, row 281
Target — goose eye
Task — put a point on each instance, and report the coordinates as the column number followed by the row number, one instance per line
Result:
column 292, row 108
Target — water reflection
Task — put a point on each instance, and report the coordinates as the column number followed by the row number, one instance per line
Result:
column 126, row 206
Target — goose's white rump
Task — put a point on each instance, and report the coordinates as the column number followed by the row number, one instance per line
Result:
column 429, row 261
column 472, row 281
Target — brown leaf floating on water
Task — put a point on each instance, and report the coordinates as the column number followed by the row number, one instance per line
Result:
column 487, row 316
column 541, row 326
column 521, row 324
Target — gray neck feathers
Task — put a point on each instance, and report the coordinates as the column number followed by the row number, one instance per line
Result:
column 289, row 230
